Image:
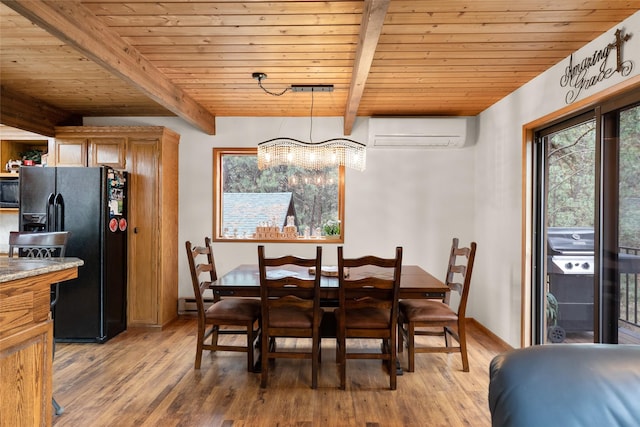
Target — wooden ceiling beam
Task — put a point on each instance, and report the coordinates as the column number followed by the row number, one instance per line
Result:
column 77, row 26
column 373, row 16
column 24, row 112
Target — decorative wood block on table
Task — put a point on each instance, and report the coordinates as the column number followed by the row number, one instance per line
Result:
column 329, row 271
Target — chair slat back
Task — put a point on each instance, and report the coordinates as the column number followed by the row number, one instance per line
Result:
column 201, row 262
column 38, row 245
column 379, row 289
column 459, row 272
column 282, row 287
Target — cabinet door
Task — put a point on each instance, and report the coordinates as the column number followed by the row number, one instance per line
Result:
column 143, row 238
column 107, row 151
column 25, row 376
column 71, row 152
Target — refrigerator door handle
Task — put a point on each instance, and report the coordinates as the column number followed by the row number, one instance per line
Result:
column 59, row 209
column 50, row 213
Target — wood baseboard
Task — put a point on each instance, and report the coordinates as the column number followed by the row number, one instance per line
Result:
column 485, row 330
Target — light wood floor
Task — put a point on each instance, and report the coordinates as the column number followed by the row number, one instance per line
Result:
column 146, row 378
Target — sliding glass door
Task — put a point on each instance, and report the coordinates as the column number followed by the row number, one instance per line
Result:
column 587, row 227
column 567, row 201
column 622, row 130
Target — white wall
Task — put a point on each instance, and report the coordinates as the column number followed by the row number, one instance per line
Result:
column 413, row 198
column 416, row 198
column 497, row 281
column 8, row 223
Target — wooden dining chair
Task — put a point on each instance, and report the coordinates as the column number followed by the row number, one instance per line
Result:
column 224, row 312
column 421, row 316
column 41, row 245
column 290, row 309
column 368, row 309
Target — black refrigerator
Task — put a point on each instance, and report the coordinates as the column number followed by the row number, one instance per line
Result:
column 90, row 203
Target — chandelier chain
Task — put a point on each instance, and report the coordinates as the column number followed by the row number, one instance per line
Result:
column 272, row 93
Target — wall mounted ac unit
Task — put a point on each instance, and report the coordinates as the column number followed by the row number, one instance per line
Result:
column 417, row 132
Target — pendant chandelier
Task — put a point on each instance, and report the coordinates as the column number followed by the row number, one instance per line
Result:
column 309, row 155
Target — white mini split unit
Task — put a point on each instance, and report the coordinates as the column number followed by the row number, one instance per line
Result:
column 422, row 132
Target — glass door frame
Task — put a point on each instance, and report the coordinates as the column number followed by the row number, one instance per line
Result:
column 609, row 222
column 606, row 286
column 539, row 206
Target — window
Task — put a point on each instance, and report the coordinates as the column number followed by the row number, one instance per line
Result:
column 284, row 203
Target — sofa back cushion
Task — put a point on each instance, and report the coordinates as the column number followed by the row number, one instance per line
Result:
column 566, row 385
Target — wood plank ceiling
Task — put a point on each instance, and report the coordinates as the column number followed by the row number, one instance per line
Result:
column 65, row 59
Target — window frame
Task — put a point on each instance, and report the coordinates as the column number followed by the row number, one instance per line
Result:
column 218, row 154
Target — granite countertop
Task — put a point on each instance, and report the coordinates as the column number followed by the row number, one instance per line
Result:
column 19, row 268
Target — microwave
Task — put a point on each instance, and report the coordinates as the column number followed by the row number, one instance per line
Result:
column 9, row 193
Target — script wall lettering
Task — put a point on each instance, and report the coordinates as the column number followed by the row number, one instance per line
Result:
column 595, row 68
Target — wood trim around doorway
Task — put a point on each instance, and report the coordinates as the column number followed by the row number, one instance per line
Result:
column 528, row 131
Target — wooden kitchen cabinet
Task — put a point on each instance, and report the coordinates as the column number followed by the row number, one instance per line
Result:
column 153, row 229
column 70, row 152
column 26, row 339
column 107, row 151
column 26, row 373
column 90, row 146
column 150, row 155
column 13, row 146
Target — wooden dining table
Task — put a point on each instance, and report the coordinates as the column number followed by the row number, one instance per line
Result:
column 244, row 281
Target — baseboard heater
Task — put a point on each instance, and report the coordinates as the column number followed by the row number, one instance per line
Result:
column 188, row 305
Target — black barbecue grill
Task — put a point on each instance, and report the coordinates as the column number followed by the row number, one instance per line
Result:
column 570, row 270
